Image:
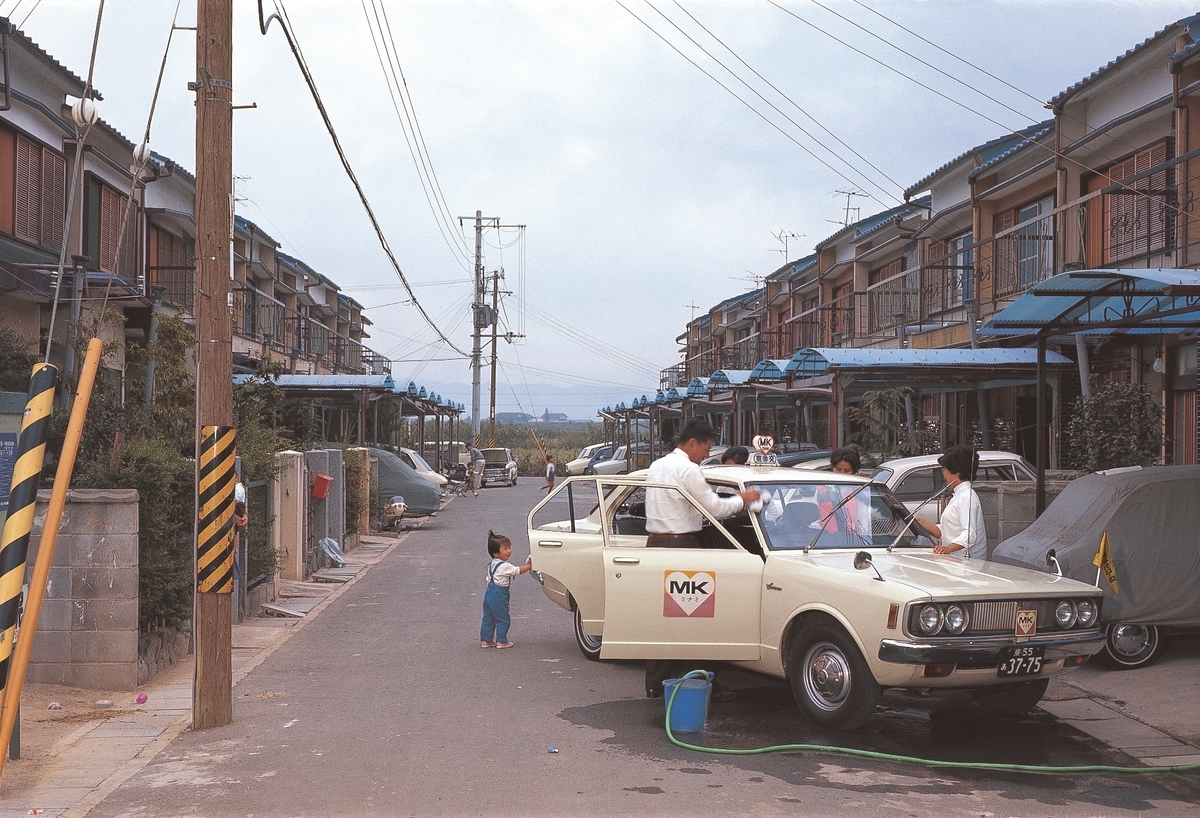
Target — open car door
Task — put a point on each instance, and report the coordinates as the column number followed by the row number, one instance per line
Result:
column 679, row 603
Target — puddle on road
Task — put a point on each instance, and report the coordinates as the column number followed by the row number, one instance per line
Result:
column 944, row 727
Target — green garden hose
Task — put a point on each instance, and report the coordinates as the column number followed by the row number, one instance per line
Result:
column 928, row 762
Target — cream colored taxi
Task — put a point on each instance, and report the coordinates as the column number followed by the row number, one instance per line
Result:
column 827, row 586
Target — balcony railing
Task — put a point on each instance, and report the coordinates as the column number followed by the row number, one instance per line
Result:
column 179, row 284
column 260, row 317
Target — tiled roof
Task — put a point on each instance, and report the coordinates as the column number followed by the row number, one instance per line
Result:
column 986, row 152
column 1070, row 92
column 864, row 226
column 1043, row 130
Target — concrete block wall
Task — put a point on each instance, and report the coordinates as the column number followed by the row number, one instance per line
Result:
column 87, row 634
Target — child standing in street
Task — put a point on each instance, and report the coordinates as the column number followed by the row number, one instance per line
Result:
column 493, row 633
column 549, row 474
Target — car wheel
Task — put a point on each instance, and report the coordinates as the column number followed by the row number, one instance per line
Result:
column 589, row 645
column 1010, row 699
column 1128, row 646
column 830, row 679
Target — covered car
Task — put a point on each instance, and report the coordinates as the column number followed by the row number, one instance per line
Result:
column 1152, row 519
column 397, row 478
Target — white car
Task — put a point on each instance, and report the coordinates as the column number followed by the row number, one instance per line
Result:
column 499, row 466
column 422, row 468
column 577, row 465
column 826, row 586
column 618, row 464
column 915, row 479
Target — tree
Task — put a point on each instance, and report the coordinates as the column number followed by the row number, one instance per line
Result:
column 882, row 423
column 1119, row 425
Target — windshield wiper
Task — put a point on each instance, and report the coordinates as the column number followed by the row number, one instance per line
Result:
column 909, row 519
column 832, row 511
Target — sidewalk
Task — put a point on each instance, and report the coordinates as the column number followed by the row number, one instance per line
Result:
column 98, row 757
column 1151, row 715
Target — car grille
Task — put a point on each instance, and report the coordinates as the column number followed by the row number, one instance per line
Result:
column 994, row 616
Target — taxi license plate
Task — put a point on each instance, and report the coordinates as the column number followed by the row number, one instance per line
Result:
column 1021, row 660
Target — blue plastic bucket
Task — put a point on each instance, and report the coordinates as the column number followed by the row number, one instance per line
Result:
column 689, row 708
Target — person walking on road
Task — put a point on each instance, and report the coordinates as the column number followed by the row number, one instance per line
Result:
column 493, row 633
column 549, row 474
column 477, row 462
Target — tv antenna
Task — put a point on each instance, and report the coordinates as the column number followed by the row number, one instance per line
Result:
column 693, row 308
column 783, row 236
column 849, row 194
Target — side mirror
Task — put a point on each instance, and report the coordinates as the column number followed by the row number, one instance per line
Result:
column 862, row 561
column 1052, row 563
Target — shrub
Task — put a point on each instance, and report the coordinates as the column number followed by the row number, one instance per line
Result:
column 1119, row 425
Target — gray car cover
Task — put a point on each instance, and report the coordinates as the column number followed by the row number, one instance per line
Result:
column 1152, row 517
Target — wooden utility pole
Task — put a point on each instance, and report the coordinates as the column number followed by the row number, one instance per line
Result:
column 212, row 699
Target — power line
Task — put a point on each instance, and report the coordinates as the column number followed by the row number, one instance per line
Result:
column 734, row 94
column 794, row 104
column 285, row 25
column 393, row 77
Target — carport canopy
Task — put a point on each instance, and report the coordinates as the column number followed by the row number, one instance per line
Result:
column 1142, row 302
column 1098, row 302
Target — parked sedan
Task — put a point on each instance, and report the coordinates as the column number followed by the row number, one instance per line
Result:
column 586, row 454
column 829, row 587
column 422, row 468
column 499, row 466
column 618, row 463
column 1149, row 519
column 916, row 479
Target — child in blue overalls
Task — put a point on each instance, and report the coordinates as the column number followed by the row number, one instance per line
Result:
column 495, row 600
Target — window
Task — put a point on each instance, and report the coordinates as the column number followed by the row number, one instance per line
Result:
column 104, row 210
column 33, row 184
column 171, row 266
column 1025, row 257
column 1137, row 219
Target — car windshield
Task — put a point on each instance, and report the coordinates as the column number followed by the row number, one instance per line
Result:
column 422, row 465
column 833, row 515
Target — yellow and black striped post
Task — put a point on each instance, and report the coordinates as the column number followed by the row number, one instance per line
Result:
column 214, row 541
column 27, row 471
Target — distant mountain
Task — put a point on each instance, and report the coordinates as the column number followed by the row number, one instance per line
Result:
column 576, row 402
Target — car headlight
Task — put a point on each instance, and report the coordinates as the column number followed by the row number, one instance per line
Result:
column 1087, row 613
column 930, row 619
column 957, row 619
column 1065, row 614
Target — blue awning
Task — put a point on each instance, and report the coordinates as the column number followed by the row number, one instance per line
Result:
column 1103, row 302
column 812, row 363
column 697, row 387
column 726, row 378
column 769, row 370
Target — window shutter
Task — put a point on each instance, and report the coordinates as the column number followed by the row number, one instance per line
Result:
column 28, row 202
column 53, row 198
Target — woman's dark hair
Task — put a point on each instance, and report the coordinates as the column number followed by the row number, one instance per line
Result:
column 495, row 541
column 847, row 454
column 960, row 460
column 738, row 454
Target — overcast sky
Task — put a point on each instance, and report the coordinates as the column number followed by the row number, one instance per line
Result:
column 645, row 186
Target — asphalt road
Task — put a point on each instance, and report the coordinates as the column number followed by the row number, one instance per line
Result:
column 385, row 704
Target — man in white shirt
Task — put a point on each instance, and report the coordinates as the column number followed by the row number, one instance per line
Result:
column 960, row 527
column 672, row 521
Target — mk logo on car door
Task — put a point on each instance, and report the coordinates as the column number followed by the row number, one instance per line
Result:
column 690, row 593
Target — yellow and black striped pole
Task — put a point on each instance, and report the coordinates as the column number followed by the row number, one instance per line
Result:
column 214, row 543
column 27, row 471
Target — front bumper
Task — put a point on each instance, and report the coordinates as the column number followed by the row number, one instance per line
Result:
column 979, row 652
